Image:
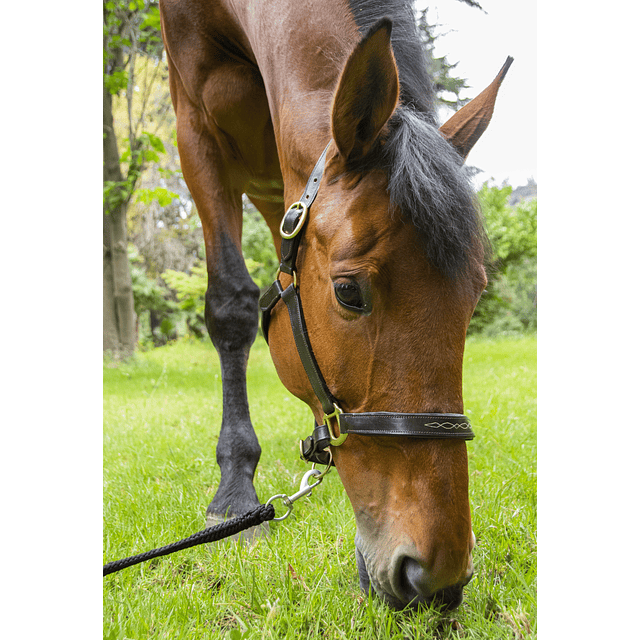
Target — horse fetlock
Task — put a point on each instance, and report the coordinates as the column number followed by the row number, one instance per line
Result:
column 235, row 494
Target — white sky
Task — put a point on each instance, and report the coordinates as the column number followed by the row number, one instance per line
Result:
column 480, row 43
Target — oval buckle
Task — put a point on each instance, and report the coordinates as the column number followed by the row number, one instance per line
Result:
column 299, row 224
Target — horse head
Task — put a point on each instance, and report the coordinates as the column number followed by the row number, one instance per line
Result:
column 389, row 272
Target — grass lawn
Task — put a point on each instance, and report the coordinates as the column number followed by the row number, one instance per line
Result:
column 162, row 413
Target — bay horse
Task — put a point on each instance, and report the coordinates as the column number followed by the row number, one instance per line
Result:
column 388, row 263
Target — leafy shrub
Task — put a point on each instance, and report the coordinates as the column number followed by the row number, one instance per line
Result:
column 257, row 248
column 509, row 303
column 512, row 229
column 151, row 301
column 190, row 290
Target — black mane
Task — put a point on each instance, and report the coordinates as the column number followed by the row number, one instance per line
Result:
column 427, row 180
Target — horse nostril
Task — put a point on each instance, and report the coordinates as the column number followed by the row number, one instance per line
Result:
column 412, row 575
column 416, row 587
column 414, row 581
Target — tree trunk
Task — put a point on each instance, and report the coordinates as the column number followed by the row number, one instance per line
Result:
column 118, row 316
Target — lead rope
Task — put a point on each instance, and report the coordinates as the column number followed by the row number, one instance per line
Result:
column 260, row 514
column 263, row 513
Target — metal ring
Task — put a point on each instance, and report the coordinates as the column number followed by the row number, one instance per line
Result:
column 301, row 220
column 327, row 468
column 285, row 501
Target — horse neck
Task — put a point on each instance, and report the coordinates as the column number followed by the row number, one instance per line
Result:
column 300, row 57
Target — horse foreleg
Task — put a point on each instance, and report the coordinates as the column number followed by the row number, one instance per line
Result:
column 231, row 311
column 232, row 321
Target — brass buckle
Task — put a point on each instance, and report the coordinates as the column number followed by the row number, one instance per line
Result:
column 335, row 442
column 301, row 220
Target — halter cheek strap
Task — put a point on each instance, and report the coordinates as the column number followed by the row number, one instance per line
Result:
column 315, row 447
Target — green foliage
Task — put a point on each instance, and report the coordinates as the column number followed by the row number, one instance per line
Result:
column 130, row 28
column 116, row 82
column 147, row 293
column 128, row 24
column 512, row 230
column 118, row 192
column 162, row 196
column 509, row 303
column 146, row 148
column 152, row 146
column 518, row 288
column 149, row 297
column 113, row 193
column 257, row 248
column 189, row 287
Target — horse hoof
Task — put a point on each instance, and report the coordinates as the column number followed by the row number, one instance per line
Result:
column 248, row 536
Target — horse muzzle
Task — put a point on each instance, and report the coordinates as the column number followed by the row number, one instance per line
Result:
column 405, row 581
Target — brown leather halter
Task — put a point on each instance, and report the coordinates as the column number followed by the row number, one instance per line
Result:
column 379, row 423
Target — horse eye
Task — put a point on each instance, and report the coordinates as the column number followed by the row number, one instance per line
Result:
column 349, row 295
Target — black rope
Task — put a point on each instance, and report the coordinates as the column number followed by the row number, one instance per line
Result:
column 261, row 514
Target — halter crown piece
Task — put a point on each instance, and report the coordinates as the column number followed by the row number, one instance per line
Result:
column 315, row 448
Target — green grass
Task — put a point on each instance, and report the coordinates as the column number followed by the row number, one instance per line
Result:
column 161, row 417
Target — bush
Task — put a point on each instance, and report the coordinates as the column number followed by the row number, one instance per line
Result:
column 257, row 248
column 512, row 229
column 151, row 302
column 190, row 290
column 509, row 303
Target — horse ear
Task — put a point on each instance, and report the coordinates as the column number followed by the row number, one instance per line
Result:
column 466, row 126
column 367, row 93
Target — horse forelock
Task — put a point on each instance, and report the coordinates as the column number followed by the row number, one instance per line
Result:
column 428, row 185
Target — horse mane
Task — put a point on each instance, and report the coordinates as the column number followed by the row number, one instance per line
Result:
column 427, row 180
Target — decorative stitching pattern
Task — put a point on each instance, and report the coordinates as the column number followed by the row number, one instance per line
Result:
column 448, row 425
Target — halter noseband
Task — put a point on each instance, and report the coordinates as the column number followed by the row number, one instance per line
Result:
column 381, row 423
